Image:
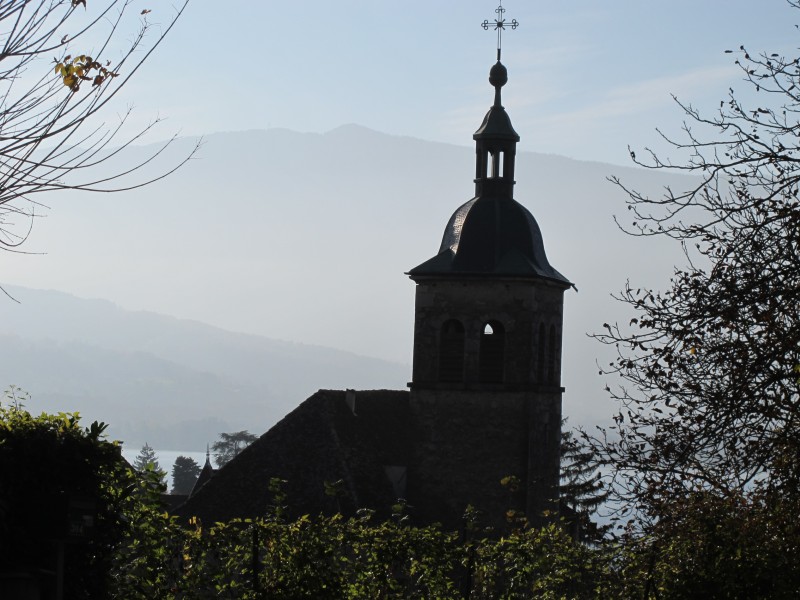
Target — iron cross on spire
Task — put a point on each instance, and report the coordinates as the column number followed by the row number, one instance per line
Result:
column 499, row 25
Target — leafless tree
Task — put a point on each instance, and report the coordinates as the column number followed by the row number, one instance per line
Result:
column 62, row 62
column 710, row 400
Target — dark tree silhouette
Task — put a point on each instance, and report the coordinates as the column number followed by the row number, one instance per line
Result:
column 62, row 62
column 710, row 399
column 185, row 471
column 705, row 449
column 581, row 488
column 230, row 444
column 63, row 480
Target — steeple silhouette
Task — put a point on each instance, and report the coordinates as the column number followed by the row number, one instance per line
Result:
column 486, row 380
column 493, row 234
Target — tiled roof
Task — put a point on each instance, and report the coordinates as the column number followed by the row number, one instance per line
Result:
column 325, row 439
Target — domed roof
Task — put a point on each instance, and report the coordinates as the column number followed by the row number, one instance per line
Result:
column 494, row 236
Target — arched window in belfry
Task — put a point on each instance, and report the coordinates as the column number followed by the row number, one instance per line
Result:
column 451, row 351
column 540, row 354
column 551, row 356
column 492, row 357
column 497, row 164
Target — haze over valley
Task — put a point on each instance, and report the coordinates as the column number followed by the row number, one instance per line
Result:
column 273, row 265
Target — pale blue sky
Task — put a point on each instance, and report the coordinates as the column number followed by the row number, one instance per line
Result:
column 587, row 77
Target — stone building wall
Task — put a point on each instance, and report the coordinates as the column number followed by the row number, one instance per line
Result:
column 529, row 311
column 472, row 430
column 465, row 442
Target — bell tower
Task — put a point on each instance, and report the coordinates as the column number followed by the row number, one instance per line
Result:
column 486, row 389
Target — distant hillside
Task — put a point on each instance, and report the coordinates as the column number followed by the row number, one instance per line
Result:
column 306, row 237
column 171, row 382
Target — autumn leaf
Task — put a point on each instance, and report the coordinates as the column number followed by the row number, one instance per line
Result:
column 82, row 68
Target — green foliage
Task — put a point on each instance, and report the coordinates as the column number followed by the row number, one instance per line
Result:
column 146, row 562
column 146, row 459
column 330, row 557
column 539, row 563
column 146, row 463
column 392, row 560
column 714, row 546
column 61, row 482
column 322, row 558
column 277, row 510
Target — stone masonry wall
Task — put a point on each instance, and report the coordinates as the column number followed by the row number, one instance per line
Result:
column 520, row 306
column 466, row 442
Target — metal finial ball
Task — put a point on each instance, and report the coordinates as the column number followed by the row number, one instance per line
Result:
column 498, row 76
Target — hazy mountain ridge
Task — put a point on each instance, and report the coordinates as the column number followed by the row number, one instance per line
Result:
column 307, row 237
column 143, row 398
column 154, row 377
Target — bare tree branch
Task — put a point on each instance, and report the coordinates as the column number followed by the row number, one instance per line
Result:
column 51, row 135
column 710, row 400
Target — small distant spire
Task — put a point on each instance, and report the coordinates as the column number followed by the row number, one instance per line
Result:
column 208, row 454
column 499, row 25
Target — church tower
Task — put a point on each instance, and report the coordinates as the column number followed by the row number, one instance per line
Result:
column 486, row 389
